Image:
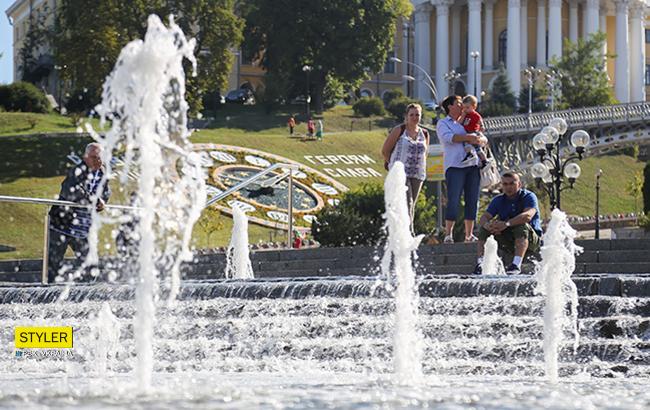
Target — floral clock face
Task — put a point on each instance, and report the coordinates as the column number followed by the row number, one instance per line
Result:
column 266, row 200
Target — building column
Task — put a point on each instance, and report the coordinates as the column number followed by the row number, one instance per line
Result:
column 474, row 66
column 541, row 33
column 592, row 19
column 488, row 35
column 422, row 49
column 555, row 29
column 637, row 53
column 406, row 33
column 513, row 59
column 523, row 41
column 622, row 65
column 442, row 46
column 455, row 37
column 573, row 21
column 603, row 27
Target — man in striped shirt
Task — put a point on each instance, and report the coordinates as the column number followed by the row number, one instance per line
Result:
column 69, row 226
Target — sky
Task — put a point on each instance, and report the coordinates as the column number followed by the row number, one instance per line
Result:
column 6, row 40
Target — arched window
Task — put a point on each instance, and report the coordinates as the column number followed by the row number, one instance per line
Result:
column 503, row 46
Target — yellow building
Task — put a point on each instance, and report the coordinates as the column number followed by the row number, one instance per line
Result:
column 472, row 37
column 22, row 14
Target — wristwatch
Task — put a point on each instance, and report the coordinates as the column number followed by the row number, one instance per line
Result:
column 507, row 224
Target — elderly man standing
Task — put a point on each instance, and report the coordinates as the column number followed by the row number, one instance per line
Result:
column 513, row 219
column 69, row 226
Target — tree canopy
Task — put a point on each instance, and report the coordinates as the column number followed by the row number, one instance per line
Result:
column 89, row 35
column 583, row 75
column 338, row 40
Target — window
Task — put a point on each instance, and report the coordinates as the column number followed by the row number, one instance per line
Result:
column 389, row 67
column 647, row 73
column 647, row 36
column 503, row 46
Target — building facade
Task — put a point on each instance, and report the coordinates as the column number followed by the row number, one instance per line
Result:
column 22, row 14
column 473, row 37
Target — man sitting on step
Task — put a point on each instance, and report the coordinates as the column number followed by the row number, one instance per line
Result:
column 513, row 219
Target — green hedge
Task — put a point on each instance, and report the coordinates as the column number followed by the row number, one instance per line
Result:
column 358, row 219
column 368, row 106
column 24, row 97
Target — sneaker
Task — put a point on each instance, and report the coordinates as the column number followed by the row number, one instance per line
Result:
column 478, row 270
column 470, row 159
column 513, row 269
column 449, row 239
column 471, row 238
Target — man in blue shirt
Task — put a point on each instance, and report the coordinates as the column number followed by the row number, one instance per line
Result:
column 513, row 219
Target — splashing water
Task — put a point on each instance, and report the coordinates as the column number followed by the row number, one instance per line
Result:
column 492, row 264
column 553, row 276
column 407, row 339
column 144, row 98
column 238, row 264
column 106, row 332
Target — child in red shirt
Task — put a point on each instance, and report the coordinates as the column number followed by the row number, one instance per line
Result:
column 472, row 121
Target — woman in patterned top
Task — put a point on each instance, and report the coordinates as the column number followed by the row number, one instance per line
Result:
column 408, row 143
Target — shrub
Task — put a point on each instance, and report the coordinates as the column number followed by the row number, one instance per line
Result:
column 368, row 106
column 397, row 107
column 646, row 188
column 358, row 219
column 391, row 95
column 23, row 96
column 81, row 101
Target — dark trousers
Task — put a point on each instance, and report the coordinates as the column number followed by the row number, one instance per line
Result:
column 56, row 250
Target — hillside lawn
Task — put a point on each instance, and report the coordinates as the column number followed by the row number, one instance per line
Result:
column 35, row 166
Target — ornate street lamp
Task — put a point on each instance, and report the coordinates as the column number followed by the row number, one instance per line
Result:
column 551, row 170
column 452, row 77
column 307, row 69
column 429, row 81
column 531, row 74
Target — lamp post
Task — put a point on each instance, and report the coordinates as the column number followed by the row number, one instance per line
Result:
column 59, row 69
column 451, row 77
column 411, row 78
column 552, row 79
column 431, row 85
column 307, row 69
column 475, row 55
column 531, row 73
column 597, row 229
column 550, row 171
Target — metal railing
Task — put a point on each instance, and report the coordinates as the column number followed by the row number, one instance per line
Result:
column 265, row 183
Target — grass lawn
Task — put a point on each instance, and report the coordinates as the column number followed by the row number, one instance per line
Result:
column 34, row 166
column 19, row 123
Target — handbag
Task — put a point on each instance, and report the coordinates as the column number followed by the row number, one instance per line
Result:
column 490, row 175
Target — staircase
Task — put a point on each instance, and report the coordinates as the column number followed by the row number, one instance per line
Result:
column 622, row 256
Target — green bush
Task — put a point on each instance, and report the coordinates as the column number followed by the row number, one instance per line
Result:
column 368, row 106
column 397, row 107
column 358, row 219
column 24, row 97
column 81, row 101
column 391, row 95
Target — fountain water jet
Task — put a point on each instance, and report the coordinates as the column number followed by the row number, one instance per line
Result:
column 144, row 98
column 400, row 245
column 553, row 276
column 238, row 263
column 492, row 264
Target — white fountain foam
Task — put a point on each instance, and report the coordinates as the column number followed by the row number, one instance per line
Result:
column 492, row 264
column 144, row 99
column 400, row 245
column 553, row 276
column 106, row 335
column 238, row 263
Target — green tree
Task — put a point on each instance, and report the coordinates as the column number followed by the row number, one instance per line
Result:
column 634, row 188
column 90, row 35
column 539, row 103
column 210, row 222
column 646, row 188
column 583, row 73
column 340, row 40
column 500, row 100
column 36, row 40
